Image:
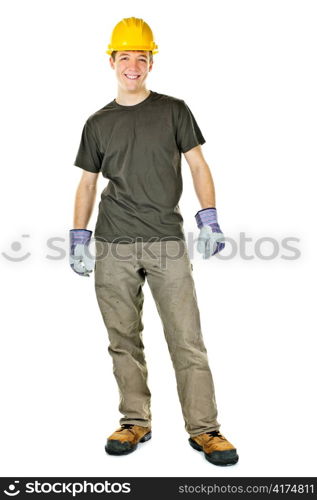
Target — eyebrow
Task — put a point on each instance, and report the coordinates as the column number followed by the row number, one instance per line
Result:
column 126, row 54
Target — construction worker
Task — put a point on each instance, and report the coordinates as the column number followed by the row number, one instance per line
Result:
column 136, row 142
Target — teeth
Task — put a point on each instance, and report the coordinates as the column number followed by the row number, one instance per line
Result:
column 131, row 77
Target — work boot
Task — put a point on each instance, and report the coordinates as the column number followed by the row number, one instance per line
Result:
column 125, row 439
column 216, row 448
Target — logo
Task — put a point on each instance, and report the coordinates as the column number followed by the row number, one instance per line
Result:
column 13, row 492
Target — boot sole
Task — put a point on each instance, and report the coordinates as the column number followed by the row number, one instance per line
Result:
column 116, row 447
column 226, row 457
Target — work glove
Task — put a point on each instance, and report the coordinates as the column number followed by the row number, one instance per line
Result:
column 211, row 238
column 79, row 257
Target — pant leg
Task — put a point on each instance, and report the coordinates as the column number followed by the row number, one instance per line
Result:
column 171, row 283
column 118, row 287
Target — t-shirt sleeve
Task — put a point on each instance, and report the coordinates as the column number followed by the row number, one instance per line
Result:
column 188, row 133
column 88, row 156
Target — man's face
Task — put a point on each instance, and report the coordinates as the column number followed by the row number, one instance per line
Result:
column 131, row 68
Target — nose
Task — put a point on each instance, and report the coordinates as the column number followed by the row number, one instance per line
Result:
column 133, row 66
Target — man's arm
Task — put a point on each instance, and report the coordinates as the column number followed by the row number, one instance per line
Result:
column 202, row 178
column 85, row 199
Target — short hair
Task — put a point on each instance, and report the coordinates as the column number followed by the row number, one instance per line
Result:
column 113, row 54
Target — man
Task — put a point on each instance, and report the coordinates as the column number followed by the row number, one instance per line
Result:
column 136, row 141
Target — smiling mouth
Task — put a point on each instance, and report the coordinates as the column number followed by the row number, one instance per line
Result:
column 132, row 77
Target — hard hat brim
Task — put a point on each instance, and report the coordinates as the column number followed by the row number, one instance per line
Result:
column 122, row 48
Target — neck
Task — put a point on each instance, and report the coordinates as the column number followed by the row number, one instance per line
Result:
column 129, row 98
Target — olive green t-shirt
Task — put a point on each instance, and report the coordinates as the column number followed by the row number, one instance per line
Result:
column 138, row 148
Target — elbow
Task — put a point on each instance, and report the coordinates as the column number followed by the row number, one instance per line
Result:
column 87, row 186
column 200, row 167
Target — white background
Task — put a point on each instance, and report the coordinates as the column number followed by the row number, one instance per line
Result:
column 247, row 69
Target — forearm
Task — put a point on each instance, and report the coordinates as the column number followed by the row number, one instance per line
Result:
column 204, row 186
column 84, row 204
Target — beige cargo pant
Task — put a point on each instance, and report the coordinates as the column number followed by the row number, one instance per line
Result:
column 120, row 273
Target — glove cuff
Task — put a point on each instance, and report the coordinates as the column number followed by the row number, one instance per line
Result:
column 206, row 217
column 79, row 236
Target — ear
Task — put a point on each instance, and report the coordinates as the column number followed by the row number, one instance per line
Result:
column 151, row 66
column 111, row 62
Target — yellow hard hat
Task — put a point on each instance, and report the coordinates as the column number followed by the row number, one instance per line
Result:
column 132, row 34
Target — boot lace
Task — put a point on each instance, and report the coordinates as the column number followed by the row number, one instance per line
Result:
column 215, row 434
column 128, row 427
